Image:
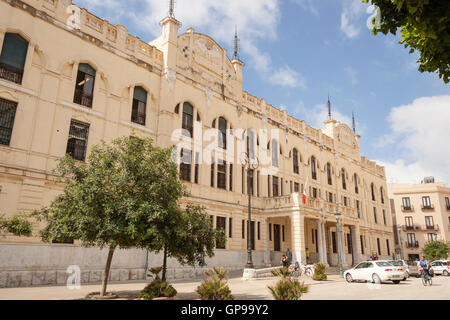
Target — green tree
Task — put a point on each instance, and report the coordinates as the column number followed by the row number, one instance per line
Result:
column 424, row 26
column 436, row 250
column 125, row 196
column 18, row 225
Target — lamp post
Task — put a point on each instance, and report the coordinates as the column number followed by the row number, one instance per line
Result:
column 338, row 229
column 399, row 228
column 251, row 165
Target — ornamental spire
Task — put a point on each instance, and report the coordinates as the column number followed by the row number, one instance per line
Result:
column 353, row 123
column 172, row 9
column 329, row 108
column 236, row 45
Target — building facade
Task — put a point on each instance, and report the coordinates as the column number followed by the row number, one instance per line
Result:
column 69, row 79
column 422, row 214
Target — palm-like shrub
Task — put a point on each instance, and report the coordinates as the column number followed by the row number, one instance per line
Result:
column 215, row 286
column 319, row 271
column 287, row 288
column 157, row 288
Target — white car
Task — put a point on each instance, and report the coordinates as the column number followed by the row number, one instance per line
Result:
column 441, row 267
column 375, row 271
column 400, row 264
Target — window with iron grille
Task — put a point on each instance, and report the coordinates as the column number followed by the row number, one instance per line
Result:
column 185, row 165
column 12, row 58
column 295, row 160
column 84, row 88
column 313, row 168
column 78, row 138
column 296, row 187
column 220, row 225
column 275, row 186
column 139, row 110
column 7, row 115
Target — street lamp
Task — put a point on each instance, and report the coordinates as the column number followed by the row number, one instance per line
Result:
column 338, row 229
column 251, row 165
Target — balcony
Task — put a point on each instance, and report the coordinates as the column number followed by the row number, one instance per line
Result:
column 10, row 73
column 407, row 208
column 412, row 245
column 414, row 227
column 434, row 227
column 428, row 207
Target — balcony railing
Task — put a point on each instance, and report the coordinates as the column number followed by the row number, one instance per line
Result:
column 10, row 73
column 82, row 99
column 412, row 244
column 427, row 207
column 433, row 227
column 407, row 208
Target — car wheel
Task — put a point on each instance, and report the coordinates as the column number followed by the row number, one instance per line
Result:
column 445, row 273
column 396, row 281
column 349, row 278
column 404, row 279
column 376, row 279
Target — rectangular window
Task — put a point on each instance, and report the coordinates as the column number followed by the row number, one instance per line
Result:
column 196, row 167
column 358, row 209
column 259, row 230
column 333, row 241
column 296, row 187
column 12, row 58
column 220, row 225
column 270, row 232
column 412, row 240
column 231, row 176
column 406, row 203
column 375, row 215
column 230, row 227
column 222, row 175
column 139, row 109
column 187, row 122
column 429, row 222
column 430, row 236
column 275, row 186
column 379, row 246
column 282, row 231
column 384, row 217
column 345, row 201
column 426, row 202
column 314, row 193
column 243, row 229
column 388, row 247
column 330, row 197
column 78, row 138
column 84, row 89
column 185, row 165
column 409, row 223
column 447, row 203
column 7, row 116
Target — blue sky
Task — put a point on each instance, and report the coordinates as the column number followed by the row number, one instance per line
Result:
column 298, row 51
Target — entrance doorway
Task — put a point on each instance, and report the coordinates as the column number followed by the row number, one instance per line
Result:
column 276, row 237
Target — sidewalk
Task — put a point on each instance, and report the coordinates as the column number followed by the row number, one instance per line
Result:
column 241, row 289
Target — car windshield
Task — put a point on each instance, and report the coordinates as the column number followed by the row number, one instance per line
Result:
column 383, row 264
column 396, row 263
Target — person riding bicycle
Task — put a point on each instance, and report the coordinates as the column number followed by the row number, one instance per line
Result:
column 424, row 264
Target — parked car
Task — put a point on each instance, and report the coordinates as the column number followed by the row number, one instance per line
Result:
column 441, row 267
column 413, row 269
column 400, row 264
column 375, row 271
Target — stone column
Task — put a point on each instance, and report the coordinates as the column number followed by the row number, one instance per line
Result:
column 298, row 237
column 321, row 241
column 267, row 261
column 356, row 247
column 344, row 260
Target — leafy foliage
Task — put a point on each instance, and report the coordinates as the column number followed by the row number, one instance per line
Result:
column 157, row 289
column 319, row 271
column 424, row 26
column 287, row 288
column 18, row 225
column 282, row 272
column 215, row 286
column 126, row 196
column 436, row 250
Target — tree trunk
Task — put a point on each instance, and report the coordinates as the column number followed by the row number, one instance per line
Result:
column 107, row 268
column 164, row 264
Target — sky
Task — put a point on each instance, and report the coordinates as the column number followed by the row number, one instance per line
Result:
column 297, row 52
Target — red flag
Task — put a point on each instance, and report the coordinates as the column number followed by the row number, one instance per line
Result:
column 304, row 190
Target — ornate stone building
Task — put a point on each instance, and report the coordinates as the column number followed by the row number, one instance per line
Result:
column 69, row 79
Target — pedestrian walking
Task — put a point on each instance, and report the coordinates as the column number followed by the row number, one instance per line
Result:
column 289, row 256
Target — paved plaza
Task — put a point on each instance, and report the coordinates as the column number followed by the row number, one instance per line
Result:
column 334, row 288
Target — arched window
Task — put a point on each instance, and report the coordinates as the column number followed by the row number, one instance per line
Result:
column 222, row 133
column 274, row 153
column 372, row 187
column 84, row 87
column 313, row 168
column 381, row 195
column 355, row 178
column 330, row 179
column 344, row 182
column 188, row 119
column 139, row 110
column 177, row 109
column 13, row 56
column 295, row 161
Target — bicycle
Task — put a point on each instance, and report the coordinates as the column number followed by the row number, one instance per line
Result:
column 426, row 278
column 307, row 269
column 295, row 270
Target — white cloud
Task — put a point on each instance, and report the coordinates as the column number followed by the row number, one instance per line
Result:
column 287, row 77
column 352, row 75
column 352, row 12
column 421, row 132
